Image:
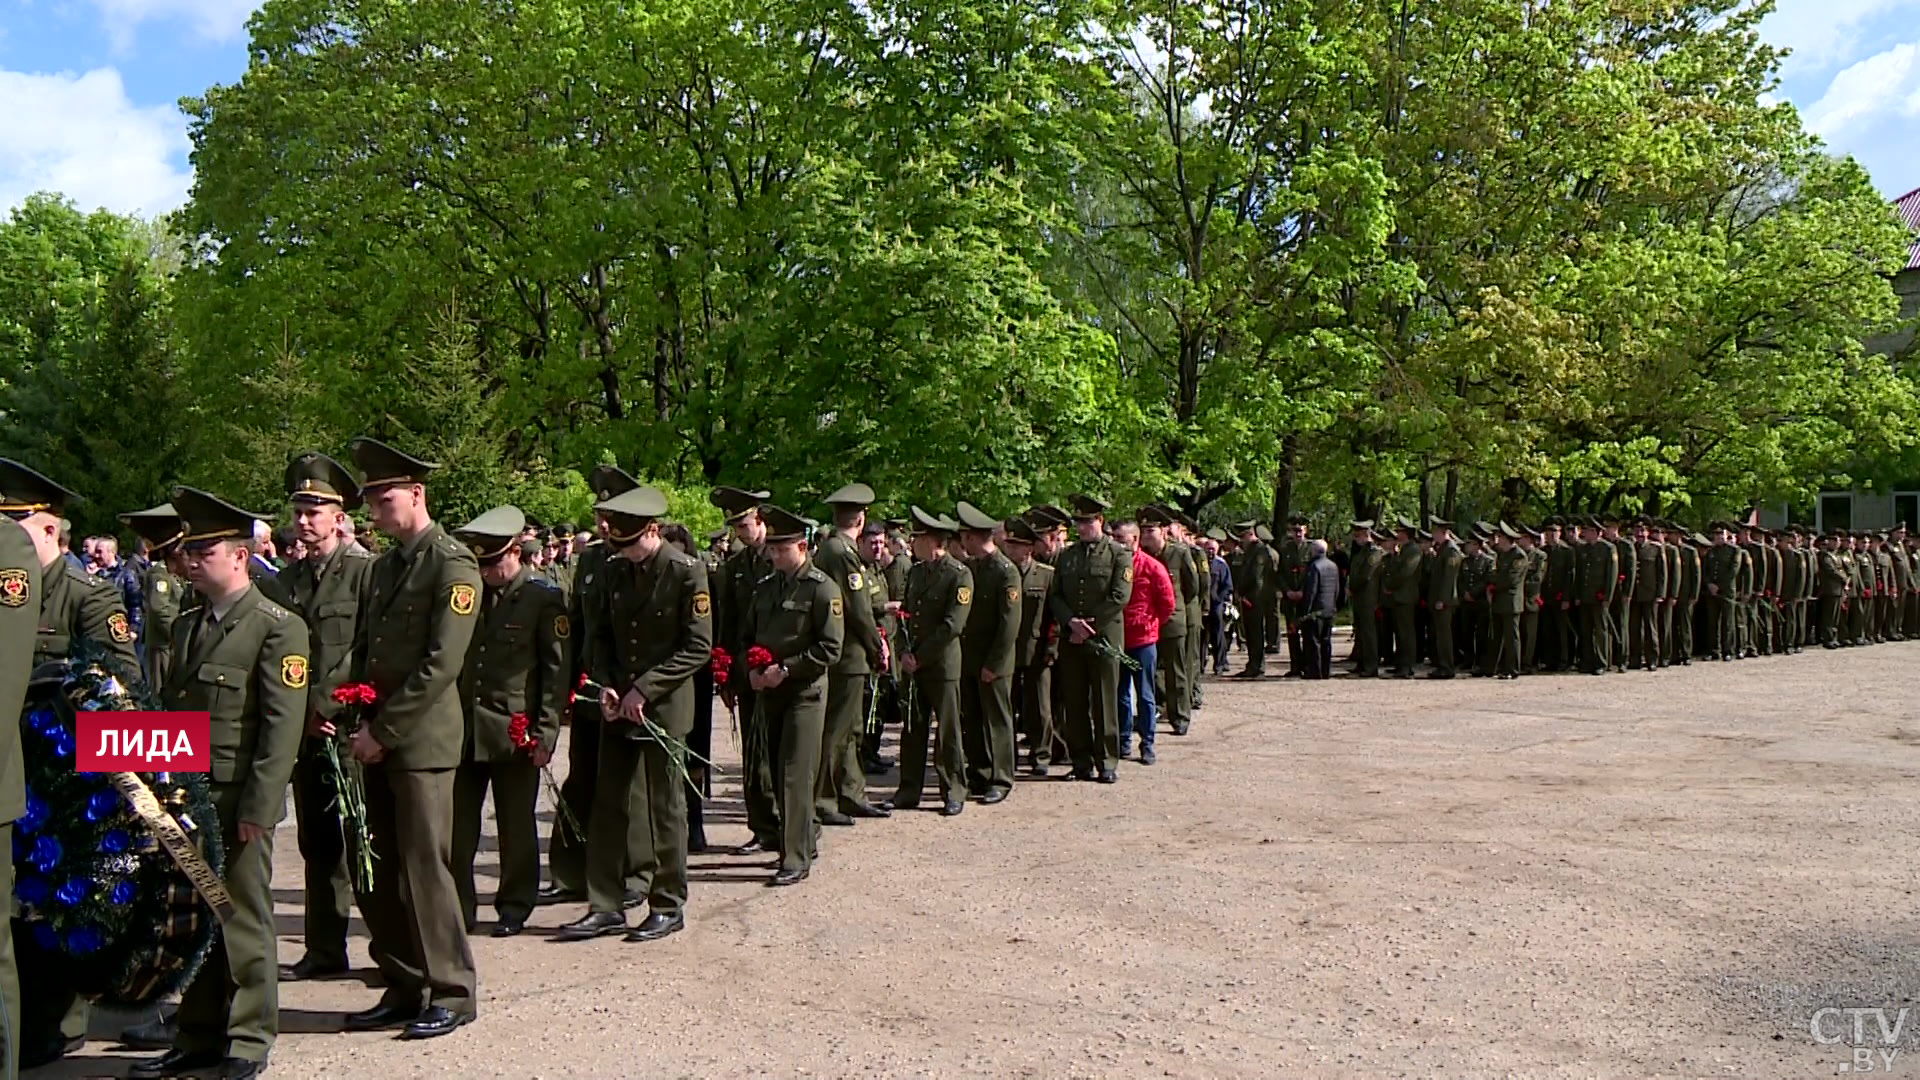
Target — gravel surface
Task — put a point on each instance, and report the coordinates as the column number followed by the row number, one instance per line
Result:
column 1661, row 874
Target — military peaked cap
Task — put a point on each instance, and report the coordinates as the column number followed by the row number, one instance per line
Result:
column 493, row 533
column 205, row 518
column 314, row 477
column 24, row 491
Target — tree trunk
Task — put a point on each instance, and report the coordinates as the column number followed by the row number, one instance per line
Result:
column 1283, row 481
column 1450, row 502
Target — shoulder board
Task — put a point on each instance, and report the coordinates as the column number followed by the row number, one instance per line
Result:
column 355, row 551
column 273, row 611
column 814, row 574
column 544, row 583
column 194, row 610
column 681, row 558
column 85, row 578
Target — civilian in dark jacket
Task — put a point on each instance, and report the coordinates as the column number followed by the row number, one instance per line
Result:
column 1321, row 598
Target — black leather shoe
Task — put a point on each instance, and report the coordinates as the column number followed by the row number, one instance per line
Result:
column 509, row 927
column 753, row 847
column 381, row 1017
column 32, row 1057
column 1082, row 774
column 656, row 926
column 998, row 794
column 953, row 808
column 875, row 766
column 833, row 817
column 155, row 1034
column 788, row 877
column 174, row 1063
column 697, row 845
column 558, row 894
column 592, row 925
column 1180, row 729
column 435, row 1022
column 308, row 968
column 235, row 1068
column 631, row 899
column 1040, row 771
column 1107, row 777
column 867, row 810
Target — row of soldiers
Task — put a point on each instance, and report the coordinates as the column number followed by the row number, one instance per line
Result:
column 1595, row 593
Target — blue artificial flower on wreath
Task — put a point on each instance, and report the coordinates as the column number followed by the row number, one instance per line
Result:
column 44, row 937
column 36, row 814
column 73, row 892
column 82, row 940
column 123, row 893
column 46, row 854
column 115, row 841
column 102, row 805
column 43, row 721
column 32, row 891
column 63, row 743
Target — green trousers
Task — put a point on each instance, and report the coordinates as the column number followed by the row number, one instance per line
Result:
column 328, row 888
column 1643, row 634
column 936, row 705
column 799, row 715
column 515, row 783
column 413, row 913
column 759, row 749
column 1594, row 629
column 1366, row 636
column 1506, row 643
column 1090, row 703
column 1253, row 629
column 232, row 1006
column 1443, row 639
column 840, row 783
column 986, row 729
column 638, row 793
column 1406, row 639
column 1680, row 646
column 567, row 853
column 1033, row 689
column 9, row 975
column 1175, row 679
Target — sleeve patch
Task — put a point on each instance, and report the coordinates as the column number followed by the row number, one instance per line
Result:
column 293, row 672
column 965, row 595
column 854, row 582
column 15, row 588
column 118, row 628
column 702, row 605
column 562, row 626
column 1013, row 594
column 461, row 600
column 1127, row 574
column 835, row 607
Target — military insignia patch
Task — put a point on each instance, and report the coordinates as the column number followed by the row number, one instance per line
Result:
column 1127, row 574
column 854, row 584
column 293, row 671
column 461, row 600
column 561, row 626
column 118, row 628
column 1013, row 595
column 702, row 605
column 15, row 589
column 160, row 586
column 834, row 606
column 966, row 594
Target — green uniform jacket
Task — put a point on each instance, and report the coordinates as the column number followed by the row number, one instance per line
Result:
column 1536, row 578
column 800, row 618
column 1720, row 568
column 740, row 576
column 1255, row 576
column 1094, row 579
column 938, row 594
column 326, row 595
column 1178, row 560
column 1793, row 575
column 1443, row 574
column 1510, row 581
column 1599, row 572
column 1294, row 557
column 584, row 610
column 1689, row 572
column 1402, row 581
column 162, row 596
column 1562, row 570
column 1626, row 569
column 415, row 625
column 653, row 632
column 248, row 673
column 1366, row 568
column 994, row 619
column 516, row 663
column 1031, row 643
column 20, row 593
column 1476, row 578
column 1670, row 553
column 73, row 605
column 1650, row 573
column 837, row 559
column 1202, row 601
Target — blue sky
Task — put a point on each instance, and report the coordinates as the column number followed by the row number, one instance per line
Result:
column 88, row 89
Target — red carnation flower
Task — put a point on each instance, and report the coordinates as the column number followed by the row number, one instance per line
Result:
column 357, row 693
column 517, row 731
column 760, row 657
column 722, row 664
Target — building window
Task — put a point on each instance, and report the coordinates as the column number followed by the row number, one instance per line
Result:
column 1906, row 510
column 1836, row 511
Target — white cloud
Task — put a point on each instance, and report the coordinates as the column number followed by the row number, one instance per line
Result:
column 79, row 135
column 216, row 20
column 1871, row 110
column 1825, row 33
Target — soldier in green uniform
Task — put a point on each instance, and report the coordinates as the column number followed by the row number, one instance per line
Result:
column 1508, row 600
column 162, row 589
column 19, row 624
column 1793, row 580
column 325, row 588
column 733, row 596
column 566, row 852
column 1293, row 557
column 1719, row 577
column 517, row 666
column 242, row 659
column 889, row 568
column 1902, row 583
column 1402, row 586
column 1186, row 532
column 1599, row 577
column 416, row 622
column 1559, row 595
column 651, row 617
column 1443, row 594
column 1255, row 582
column 1535, row 601
column 1680, row 649
column 1649, row 589
column 987, row 658
column 1034, row 647
column 1626, row 582
column 840, row 792
column 1174, row 682
column 1366, row 569
column 939, row 596
column 1092, row 583
column 73, row 605
column 1832, row 584
column 1473, row 624
column 799, row 615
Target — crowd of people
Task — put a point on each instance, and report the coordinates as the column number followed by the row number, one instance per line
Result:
column 416, row 672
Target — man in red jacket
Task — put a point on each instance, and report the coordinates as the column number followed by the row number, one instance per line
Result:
column 1150, row 605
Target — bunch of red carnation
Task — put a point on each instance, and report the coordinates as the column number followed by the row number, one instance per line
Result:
column 722, row 665
column 355, row 693
column 759, row 656
column 518, row 731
